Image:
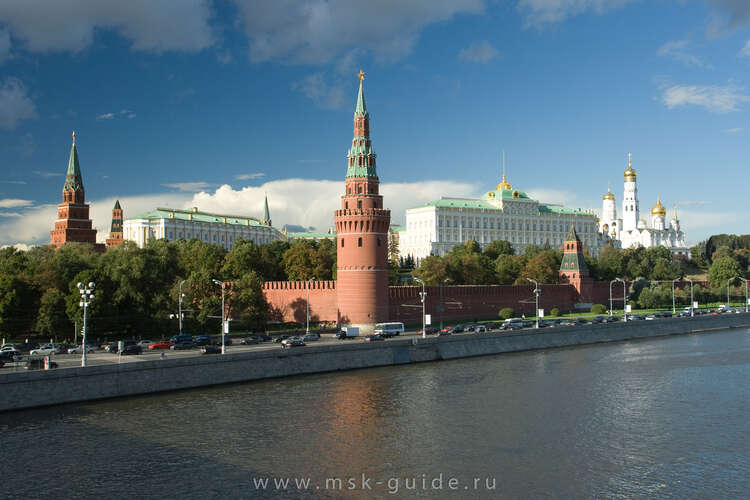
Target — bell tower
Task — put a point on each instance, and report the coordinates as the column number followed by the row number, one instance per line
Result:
column 362, row 232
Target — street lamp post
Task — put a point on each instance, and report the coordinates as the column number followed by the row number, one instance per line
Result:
column 423, row 296
column 692, row 309
column 624, row 299
column 442, row 305
column 87, row 295
column 674, row 309
column 537, row 292
column 307, row 325
column 223, row 316
column 747, row 303
column 610, row 297
column 179, row 306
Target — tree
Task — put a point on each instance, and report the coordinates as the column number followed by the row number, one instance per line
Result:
column 18, row 305
column 505, row 313
column 722, row 270
column 247, row 304
column 51, row 318
column 300, row 261
column 542, row 267
column 507, row 269
column 432, row 271
column 498, row 247
column 598, row 309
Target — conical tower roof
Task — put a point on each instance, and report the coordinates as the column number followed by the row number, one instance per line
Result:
column 117, row 205
column 266, row 212
column 572, row 235
column 73, row 178
column 361, row 108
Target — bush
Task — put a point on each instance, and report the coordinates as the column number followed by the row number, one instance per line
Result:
column 554, row 312
column 505, row 313
column 598, row 309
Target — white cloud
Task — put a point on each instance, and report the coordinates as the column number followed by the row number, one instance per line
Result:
column 729, row 15
column 540, row 12
column 479, row 52
column 15, row 203
column 151, row 26
column 678, row 51
column 322, row 92
column 19, row 246
column 14, row 182
column 746, row 49
column 106, row 116
column 125, row 113
column 46, row 174
column 4, row 44
column 128, row 113
column 188, row 187
column 714, row 98
column 301, row 31
column 554, row 196
column 15, row 105
column 11, row 214
column 246, row 177
column 734, row 130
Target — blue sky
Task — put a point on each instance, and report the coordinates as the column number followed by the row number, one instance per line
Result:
column 214, row 103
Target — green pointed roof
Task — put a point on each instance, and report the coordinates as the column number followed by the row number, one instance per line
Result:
column 572, row 235
column 266, row 213
column 361, row 108
column 117, row 205
column 73, row 179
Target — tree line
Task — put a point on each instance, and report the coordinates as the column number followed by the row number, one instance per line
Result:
column 138, row 289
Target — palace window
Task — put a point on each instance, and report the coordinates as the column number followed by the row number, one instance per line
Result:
column 359, row 241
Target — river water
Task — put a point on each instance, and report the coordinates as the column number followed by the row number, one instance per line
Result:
column 659, row 418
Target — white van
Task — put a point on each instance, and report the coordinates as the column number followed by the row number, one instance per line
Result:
column 389, row 329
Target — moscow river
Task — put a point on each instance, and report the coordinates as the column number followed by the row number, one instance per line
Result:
column 660, row 418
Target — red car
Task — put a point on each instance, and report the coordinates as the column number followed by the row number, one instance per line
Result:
column 429, row 330
column 162, row 344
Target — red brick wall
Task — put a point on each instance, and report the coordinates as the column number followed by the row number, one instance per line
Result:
column 287, row 301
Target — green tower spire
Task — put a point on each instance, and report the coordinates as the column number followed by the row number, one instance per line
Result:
column 361, row 157
column 73, row 179
column 266, row 213
column 361, row 108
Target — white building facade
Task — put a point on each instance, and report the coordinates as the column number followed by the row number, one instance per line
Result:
column 502, row 214
column 224, row 230
column 630, row 230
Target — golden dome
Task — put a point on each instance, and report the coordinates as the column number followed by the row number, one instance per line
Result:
column 504, row 185
column 630, row 173
column 609, row 195
column 659, row 209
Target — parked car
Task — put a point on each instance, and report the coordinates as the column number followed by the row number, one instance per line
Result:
column 131, row 349
column 598, row 319
column 264, row 337
column 8, row 356
column 204, row 339
column 250, row 341
column 211, row 349
column 79, row 350
column 185, row 344
column 429, row 331
column 162, row 344
column 145, row 343
column 292, row 342
column 280, row 339
column 480, row 329
column 311, row 337
column 10, row 348
column 27, row 346
column 46, row 350
column 444, row 332
column 374, row 338
column 183, row 337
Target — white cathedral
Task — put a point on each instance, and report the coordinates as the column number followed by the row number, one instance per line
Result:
column 631, row 230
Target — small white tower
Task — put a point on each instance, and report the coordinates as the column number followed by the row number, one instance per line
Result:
column 609, row 213
column 630, row 211
column 658, row 215
column 675, row 222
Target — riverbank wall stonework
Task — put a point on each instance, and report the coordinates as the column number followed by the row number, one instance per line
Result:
column 20, row 390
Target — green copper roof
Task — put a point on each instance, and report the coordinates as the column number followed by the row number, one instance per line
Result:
column 459, row 203
column 561, row 210
column 73, row 179
column 309, row 235
column 361, row 106
column 168, row 213
column 117, row 205
column 266, row 213
column 572, row 235
column 397, row 229
column 359, row 171
column 573, row 262
column 506, row 194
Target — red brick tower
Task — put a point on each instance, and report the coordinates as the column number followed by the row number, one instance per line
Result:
column 573, row 268
column 115, row 232
column 362, row 228
column 73, row 223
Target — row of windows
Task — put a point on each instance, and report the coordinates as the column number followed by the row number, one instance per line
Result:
column 359, row 242
column 485, row 223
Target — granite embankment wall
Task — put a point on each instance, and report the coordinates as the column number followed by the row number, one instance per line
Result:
column 41, row 388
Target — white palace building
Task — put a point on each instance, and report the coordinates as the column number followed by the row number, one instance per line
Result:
column 630, row 230
column 504, row 213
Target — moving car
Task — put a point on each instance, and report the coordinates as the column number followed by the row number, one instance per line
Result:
column 250, row 341
column 211, row 349
column 131, row 349
column 292, row 342
column 204, row 339
column 280, row 339
column 389, row 329
column 429, row 331
column 480, row 329
column 349, row 332
column 145, row 343
column 162, row 344
column 79, row 350
column 374, row 338
column 46, row 350
column 311, row 337
column 185, row 344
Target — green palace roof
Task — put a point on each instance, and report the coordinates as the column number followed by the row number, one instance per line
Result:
column 197, row 216
column 397, row 229
column 310, row 235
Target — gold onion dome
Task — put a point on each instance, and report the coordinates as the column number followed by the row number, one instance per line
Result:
column 630, row 173
column 504, row 185
column 609, row 195
column 659, row 209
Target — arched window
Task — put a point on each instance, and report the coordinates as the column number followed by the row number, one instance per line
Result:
column 346, row 205
column 359, row 203
column 342, row 242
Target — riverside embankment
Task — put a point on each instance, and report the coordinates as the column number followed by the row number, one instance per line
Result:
column 20, row 390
